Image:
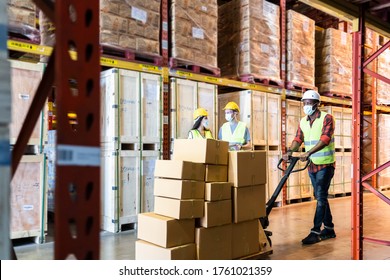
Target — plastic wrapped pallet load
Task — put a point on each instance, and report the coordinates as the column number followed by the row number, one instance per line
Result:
column 383, row 88
column 249, row 45
column 194, row 31
column 300, row 50
column 383, row 150
column 333, row 66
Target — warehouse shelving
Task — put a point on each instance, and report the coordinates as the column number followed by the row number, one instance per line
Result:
column 166, row 73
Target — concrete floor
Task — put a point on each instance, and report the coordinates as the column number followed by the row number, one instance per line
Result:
column 289, row 225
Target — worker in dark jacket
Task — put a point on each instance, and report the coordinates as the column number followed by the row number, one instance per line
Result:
column 316, row 131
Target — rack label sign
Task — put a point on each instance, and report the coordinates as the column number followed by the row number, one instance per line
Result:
column 78, row 155
column 109, row 61
column 20, row 45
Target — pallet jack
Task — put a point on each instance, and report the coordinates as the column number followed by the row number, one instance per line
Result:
column 265, row 235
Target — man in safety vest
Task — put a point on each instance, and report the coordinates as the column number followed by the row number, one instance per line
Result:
column 200, row 129
column 234, row 131
column 316, row 131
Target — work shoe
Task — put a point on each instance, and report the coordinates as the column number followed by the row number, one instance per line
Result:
column 327, row 233
column 311, row 239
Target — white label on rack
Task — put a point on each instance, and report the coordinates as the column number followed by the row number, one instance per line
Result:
column 139, row 14
column 78, row 155
column 197, row 33
column 28, row 207
column 341, row 71
column 264, row 48
column 303, row 61
column 204, row 8
column 24, row 96
column 344, row 38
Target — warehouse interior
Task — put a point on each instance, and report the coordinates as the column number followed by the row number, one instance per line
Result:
column 96, row 106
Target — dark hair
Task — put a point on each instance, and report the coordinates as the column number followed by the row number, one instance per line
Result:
column 197, row 123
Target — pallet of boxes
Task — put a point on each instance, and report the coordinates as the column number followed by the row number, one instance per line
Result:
column 207, row 205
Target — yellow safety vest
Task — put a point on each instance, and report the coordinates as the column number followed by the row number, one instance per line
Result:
column 237, row 137
column 311, row 137
column 196, row 134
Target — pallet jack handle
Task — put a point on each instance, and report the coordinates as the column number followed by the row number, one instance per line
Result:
column 290, row 169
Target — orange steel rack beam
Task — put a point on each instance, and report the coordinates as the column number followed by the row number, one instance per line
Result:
column 77, row 191
column 358, row 181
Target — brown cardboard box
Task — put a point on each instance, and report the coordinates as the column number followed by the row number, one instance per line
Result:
column 179, row 209
column 245, row 238
column 165, row 231
column 148, row 251
column 216, row 173
column 247, row 168
column 180, row 189
column 248, row 203
column 216, row 213
column 217, row 191
column 214, row 243
column 207, row 151
column 177, row 169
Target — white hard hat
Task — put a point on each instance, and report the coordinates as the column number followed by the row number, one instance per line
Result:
column 311, row 94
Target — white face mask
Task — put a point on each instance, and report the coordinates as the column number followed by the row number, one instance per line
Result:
column 229, row 117
column 309, row 109
column 206, row 124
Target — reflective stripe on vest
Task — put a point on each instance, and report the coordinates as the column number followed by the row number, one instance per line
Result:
column 311, row 137
column 237, row 137
column 196, row 134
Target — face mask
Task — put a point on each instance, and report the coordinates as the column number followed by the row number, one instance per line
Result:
column 309, row 109
column 206, row 124
column 229, row 117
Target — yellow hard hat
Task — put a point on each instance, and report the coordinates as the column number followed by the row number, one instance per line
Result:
column 232, row 106
column 200, row 112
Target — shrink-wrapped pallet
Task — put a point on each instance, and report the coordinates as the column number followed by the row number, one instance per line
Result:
column 383, row 88
column 334, row 62
column 249, row 39
column 22, row 20
column 300, row 50
column 194, row 31
column 128, row 24
column 383, row 150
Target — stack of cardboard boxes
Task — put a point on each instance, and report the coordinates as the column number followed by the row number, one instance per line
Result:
column 204, row 208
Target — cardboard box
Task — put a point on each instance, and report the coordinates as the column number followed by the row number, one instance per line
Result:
column 248, row 203
column 179, row 189
column 207, row 151
column 177, row 169
column 216, row 173
column 247, row 168
column 165, row 231
column 214, row 243
column 216, row 213
column 245, row 238
column 179, row 209
column 217, row 191
column 148, row 251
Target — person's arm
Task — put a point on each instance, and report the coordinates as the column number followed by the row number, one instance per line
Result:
column 296, row 143
column 220, row 133
column 248, row 144
column 190, row 135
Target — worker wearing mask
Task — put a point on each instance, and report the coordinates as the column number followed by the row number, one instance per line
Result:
column 316, row 131
column 200, row 129
column 234, row 131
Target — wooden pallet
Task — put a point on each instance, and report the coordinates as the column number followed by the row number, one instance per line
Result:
column 299, row 200
column 191, row 66
column 130, row 55
column 256, row 79
column 337, row 95
column 299, row 86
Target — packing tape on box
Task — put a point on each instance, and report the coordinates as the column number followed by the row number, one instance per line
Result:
column 5, row 153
